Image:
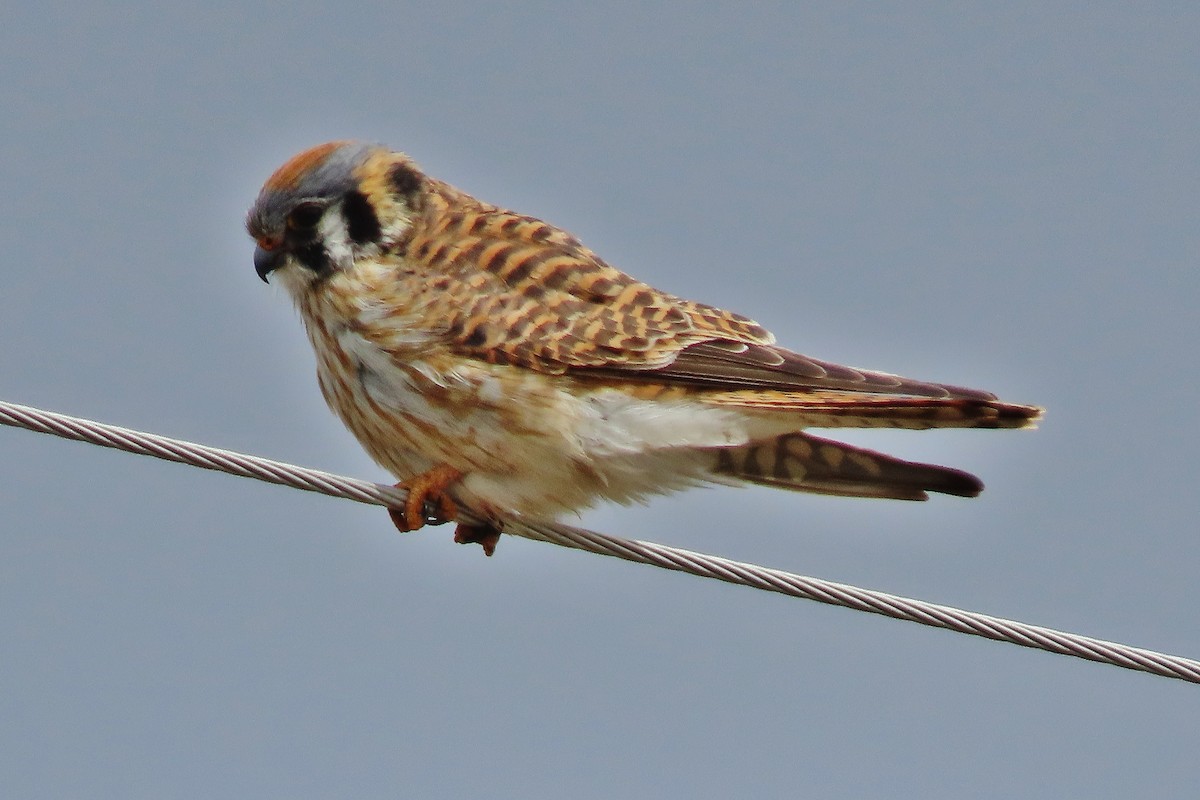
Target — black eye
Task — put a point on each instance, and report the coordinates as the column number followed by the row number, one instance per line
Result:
column 305, row 216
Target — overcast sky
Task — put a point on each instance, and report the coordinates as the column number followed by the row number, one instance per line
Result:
column 1004, row 199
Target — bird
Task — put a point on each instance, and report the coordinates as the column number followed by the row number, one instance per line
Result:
column 487, row 358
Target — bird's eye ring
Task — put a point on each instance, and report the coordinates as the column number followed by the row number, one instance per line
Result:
column 305, row 216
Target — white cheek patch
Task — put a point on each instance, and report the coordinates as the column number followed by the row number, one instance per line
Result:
column 336, row 238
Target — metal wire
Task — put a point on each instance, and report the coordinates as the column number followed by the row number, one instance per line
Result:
column 706, row 566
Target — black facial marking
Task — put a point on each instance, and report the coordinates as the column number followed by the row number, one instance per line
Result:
column 314, row 257
column 361, row 221
column 305, row 216
column 404, row 179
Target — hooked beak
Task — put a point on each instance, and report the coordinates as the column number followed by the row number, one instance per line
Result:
column 266, row 261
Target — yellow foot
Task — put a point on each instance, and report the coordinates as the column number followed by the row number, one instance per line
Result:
column 427, row 499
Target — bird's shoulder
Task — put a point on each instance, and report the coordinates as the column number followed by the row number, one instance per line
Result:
column 512, row 288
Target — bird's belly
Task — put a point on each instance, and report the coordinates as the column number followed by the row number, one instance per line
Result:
column 507, row 430
column 526, row 442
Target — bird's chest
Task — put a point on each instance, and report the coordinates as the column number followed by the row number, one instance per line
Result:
column 413, row 407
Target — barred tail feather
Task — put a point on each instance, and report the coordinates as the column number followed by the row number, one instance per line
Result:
column 805, row 463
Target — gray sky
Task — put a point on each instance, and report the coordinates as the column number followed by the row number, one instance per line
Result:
column 1003, row 199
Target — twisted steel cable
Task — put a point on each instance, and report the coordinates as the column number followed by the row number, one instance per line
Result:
column 672, row 558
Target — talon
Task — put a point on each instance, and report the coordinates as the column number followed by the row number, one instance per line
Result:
column 438, row 510
column 398, row 518
column 486, row 536
column 427, row 499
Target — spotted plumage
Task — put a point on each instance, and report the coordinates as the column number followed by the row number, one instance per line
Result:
column 489, row 355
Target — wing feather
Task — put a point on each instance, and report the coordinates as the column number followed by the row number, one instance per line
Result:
column 513, row 289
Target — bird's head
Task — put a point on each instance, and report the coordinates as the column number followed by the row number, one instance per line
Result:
column 330, row 206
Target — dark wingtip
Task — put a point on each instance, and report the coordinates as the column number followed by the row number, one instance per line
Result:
column 956, row 482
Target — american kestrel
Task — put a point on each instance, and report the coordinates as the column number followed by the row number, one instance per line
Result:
column 489, row 354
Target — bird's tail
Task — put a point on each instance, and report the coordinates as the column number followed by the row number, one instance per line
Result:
column 858, row 410
column 805, row 463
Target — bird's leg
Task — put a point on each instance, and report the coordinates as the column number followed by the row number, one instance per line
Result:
column 428, row 502
column 427, row 499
